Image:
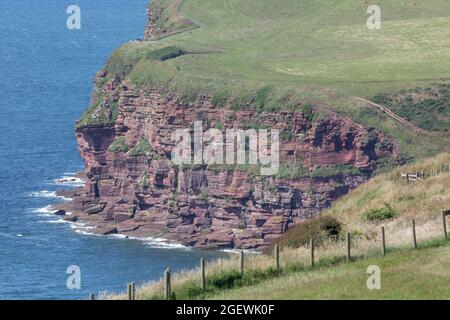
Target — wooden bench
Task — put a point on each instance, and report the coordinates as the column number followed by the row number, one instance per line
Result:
column 418, row 176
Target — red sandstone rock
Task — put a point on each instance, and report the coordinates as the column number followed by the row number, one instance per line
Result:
column 213, row 208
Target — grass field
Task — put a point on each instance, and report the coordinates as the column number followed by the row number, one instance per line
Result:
column 419, row 274
column 317, row 43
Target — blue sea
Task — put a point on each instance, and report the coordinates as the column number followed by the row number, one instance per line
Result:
column 45, row 84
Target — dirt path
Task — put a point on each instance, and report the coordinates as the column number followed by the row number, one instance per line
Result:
column 393, row 115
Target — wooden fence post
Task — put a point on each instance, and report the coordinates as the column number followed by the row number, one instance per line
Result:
column 130, row 291
column 349, row 244
column 444, row 223
column 167, row 284
column 277, row 257
column 311, row 246
column 414, row 238
column 202, row 274
column 241, row 263
column 383, row 242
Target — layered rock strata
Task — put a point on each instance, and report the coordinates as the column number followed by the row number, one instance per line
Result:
column 145, row 194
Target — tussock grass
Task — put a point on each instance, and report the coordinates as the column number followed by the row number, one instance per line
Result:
column 421, row 200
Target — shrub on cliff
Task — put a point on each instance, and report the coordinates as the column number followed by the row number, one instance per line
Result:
column 376, row 215
column 330, row 171
column 144, row 180
column 119, row 145
column 143, row 148
column 166, row 53
column 320, row 229
column 290, row 170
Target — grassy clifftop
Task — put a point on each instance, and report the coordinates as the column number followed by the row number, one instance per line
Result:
column 317, row 43
column 271, row 55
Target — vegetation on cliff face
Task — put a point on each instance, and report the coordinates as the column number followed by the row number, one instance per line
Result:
column 165, row 19
column 119, row 145
column 142, row 148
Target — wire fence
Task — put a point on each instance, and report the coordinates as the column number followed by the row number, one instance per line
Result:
column 168, row 293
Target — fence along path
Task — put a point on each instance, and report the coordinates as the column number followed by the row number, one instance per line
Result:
column 393, row 115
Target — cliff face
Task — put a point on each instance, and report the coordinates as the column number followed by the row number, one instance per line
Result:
column 144, row 194
column 164, row 19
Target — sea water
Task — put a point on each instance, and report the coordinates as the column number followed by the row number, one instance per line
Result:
column 46, row 73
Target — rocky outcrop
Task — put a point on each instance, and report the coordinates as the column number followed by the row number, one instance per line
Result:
column 165, row 19
column 153, row 29
column 215, row 206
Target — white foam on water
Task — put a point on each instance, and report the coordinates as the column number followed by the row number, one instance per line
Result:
column 163, row 243
column 44, row 194
column 56, row 221
column 6, row 235
column 69, row 180
column 80, row 226
column 159, row 243
column 48, row 194
column 230, row 250
column 86, row 233
column 46, row 211
column 119, row 236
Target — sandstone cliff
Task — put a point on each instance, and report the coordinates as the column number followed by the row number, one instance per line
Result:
column 144, row 194
column 133, row 188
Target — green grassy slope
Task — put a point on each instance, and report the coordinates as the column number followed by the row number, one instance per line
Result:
column 272, row 55
column 318, row 43
column 419, row 274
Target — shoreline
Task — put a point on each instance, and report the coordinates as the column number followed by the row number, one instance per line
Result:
column 76, row 219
